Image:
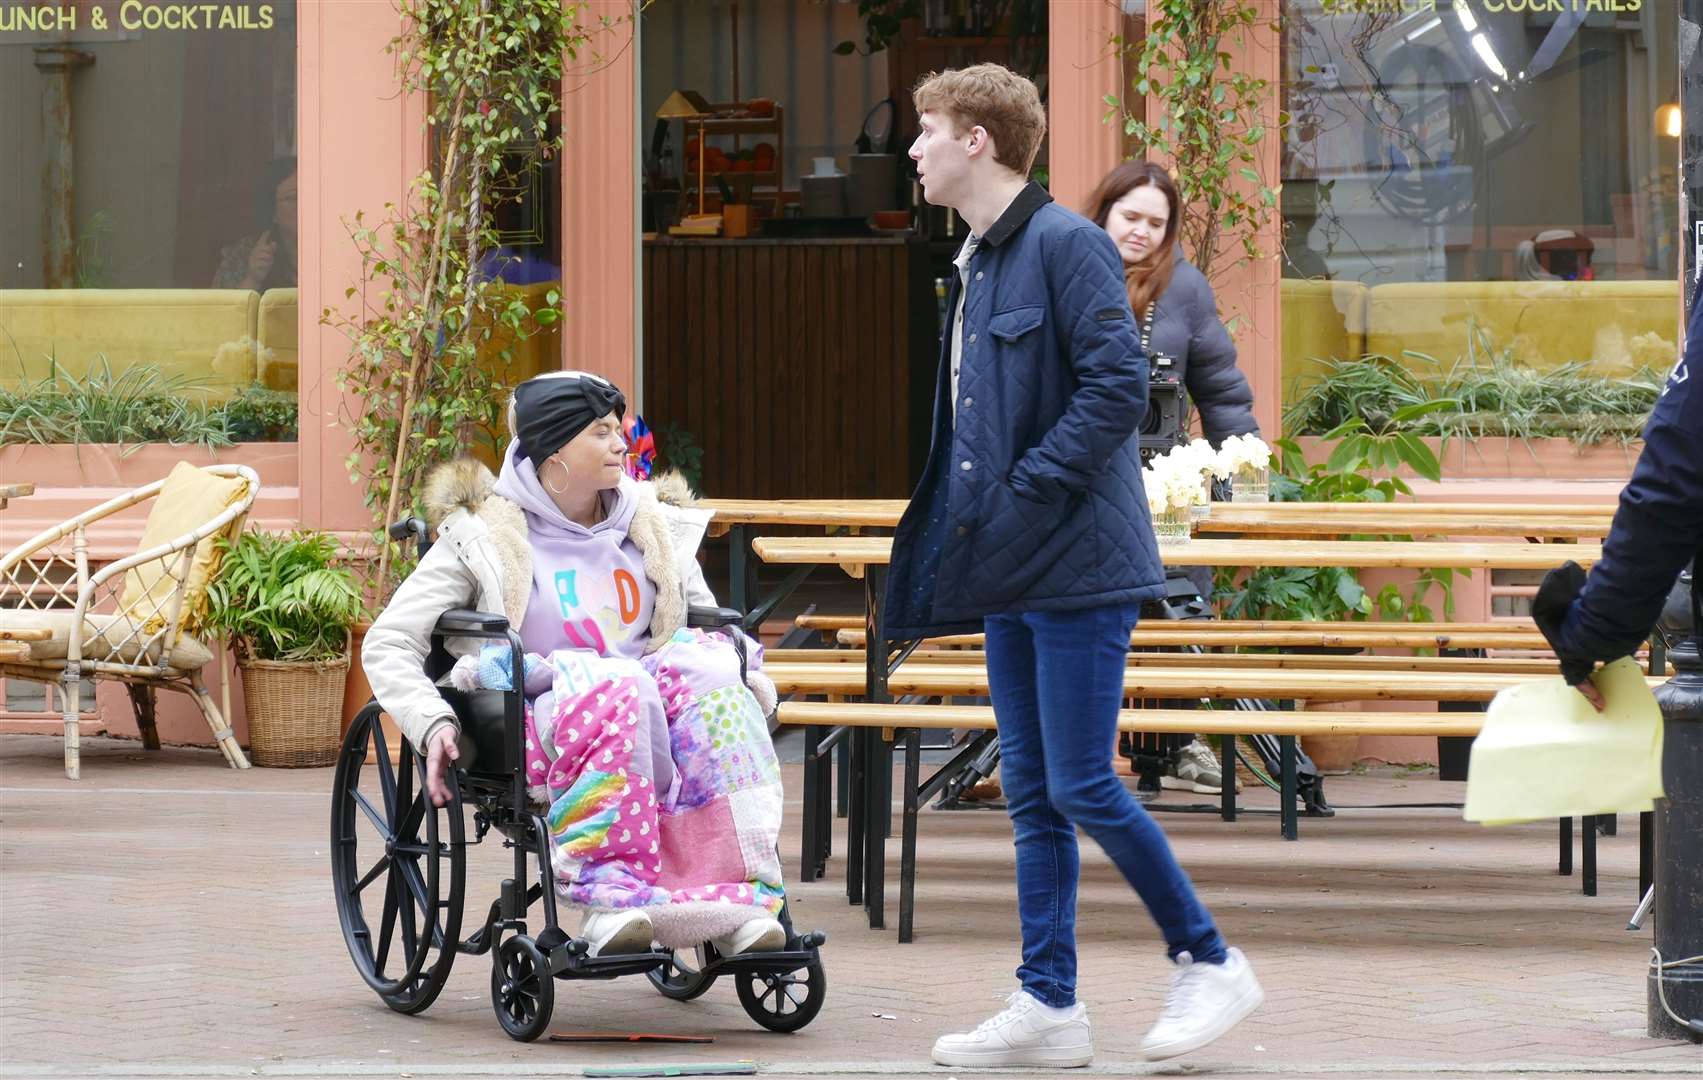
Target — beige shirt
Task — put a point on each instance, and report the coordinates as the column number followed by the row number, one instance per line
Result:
column 962, row 262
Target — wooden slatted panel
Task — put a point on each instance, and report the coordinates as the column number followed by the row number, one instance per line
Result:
column 788, row 361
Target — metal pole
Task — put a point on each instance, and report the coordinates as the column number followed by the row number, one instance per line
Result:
column 1677, row 988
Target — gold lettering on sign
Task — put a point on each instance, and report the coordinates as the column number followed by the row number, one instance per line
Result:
column 153, row 15
column 37, row 18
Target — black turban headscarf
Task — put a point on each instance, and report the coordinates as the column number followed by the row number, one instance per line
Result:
column 549, row 412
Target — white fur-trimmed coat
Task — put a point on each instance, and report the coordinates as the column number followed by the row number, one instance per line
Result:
column 483, row 560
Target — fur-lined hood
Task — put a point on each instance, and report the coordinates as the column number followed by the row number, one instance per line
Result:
column 466, row 483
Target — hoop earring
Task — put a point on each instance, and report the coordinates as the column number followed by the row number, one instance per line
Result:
column 554, row 490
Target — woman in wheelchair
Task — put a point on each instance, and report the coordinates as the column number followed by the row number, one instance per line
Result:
column 663, row 789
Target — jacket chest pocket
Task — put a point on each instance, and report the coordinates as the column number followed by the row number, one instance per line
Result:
column 1010, row 327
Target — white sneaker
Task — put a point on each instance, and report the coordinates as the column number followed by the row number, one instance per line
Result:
column 1026, row 1033
column 616, row 933
column 1206, row 1000
column 758, row 935
column 1195, row 768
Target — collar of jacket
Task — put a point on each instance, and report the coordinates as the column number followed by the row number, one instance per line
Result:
column 1022, row 208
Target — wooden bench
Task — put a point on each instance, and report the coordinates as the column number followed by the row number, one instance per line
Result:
column 867, row 828
column 1530, row 666
column 866, row 557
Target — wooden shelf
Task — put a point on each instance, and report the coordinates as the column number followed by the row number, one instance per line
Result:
column 765, row 125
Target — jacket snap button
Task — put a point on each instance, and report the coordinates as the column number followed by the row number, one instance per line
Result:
column 978, row 275
column 965, row 465
column 972, row 339
column 968, row 402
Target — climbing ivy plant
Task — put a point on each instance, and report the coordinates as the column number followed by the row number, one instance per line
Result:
column 1210, row 123
column 430, row 328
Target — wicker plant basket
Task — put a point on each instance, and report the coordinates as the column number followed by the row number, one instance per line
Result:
column 294, row 710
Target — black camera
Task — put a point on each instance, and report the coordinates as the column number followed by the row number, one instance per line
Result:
column 1166, row 422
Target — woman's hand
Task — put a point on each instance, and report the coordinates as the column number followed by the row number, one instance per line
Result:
column 440, row 751
column 260, row 260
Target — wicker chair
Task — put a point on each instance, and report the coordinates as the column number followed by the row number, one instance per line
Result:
column 133, row 620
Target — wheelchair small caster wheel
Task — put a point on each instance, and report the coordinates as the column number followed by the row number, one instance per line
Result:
column 523, row 992
column 677, row 982
column 783, row 1002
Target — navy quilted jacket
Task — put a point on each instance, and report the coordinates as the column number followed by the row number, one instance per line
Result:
column 1032, row 499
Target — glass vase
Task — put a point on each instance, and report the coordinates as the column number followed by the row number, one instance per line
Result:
column 1171, row 526
column 1202, row 508
column 1251, row 484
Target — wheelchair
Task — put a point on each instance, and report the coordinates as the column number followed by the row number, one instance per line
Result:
column 399, row 864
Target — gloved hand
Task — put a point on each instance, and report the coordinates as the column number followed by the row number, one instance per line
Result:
column 1554, row 599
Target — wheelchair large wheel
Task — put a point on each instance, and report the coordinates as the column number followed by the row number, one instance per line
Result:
column 523, row 992
column 678, row 981
column 397, row 860
column 783, row 1002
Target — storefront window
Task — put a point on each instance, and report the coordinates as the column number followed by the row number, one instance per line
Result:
column 148, row 222
column 1479, row 190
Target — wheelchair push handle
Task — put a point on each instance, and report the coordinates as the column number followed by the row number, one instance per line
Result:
column 415, row 527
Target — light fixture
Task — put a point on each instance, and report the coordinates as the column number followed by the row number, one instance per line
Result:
column 689, row 106
column 1668, row 121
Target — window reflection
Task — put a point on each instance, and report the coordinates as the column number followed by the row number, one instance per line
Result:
column 148, row 222
column 1467, row 184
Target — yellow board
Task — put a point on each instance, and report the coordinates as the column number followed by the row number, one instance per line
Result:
column 1545, row 752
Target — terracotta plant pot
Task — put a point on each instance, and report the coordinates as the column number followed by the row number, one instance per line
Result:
column 357, row 692
column 1332, row 753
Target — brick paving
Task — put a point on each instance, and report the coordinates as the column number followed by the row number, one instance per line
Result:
column 167, row 916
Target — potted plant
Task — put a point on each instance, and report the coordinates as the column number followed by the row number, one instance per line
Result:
column 1334, row 593
column 287, row 608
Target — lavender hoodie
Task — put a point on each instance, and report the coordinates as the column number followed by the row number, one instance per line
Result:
column 589, row 589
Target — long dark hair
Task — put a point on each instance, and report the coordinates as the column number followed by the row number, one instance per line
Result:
column 1147, row 279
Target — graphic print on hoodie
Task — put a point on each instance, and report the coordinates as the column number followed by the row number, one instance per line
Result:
column 589, row 590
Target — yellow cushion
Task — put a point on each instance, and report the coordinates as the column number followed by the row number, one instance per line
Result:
column 1615, row 326
column 1322, row 320
column 190, row 499
column 278, row 339
column 204, row 334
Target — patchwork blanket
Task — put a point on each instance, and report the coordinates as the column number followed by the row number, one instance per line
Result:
column 663, row 787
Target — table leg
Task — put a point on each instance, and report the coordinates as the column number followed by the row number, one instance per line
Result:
column 1287, row 816
column 908, row 841
column 1227, row 777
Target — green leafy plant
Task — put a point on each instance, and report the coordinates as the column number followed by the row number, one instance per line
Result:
column 426, row 321
column 261, row 415
column 283, row 597
column 1211, row 125
column 1487, row 392
column 1332, row 593
column 136, row 406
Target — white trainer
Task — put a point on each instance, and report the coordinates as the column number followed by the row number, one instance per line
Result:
column 758, row 935
column 616, row 933
column 1206, row 1000
column 1026, row 1033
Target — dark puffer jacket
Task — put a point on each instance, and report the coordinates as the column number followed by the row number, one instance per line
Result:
column 1032, row 500
column 1186, row 327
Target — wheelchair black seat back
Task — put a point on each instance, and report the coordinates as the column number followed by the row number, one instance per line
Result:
column 399, row 865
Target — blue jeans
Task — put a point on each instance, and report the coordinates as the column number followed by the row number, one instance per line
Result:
column 1057, row 683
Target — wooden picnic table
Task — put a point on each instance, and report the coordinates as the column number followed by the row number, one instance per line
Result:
column 1219, row 683
column 1408, row 518
column 14, row 491
column 853, row 553
column 14, row 642
column 741, row 518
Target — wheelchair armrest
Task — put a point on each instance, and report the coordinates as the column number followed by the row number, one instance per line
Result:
column 710, row 617
column 468, row 621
